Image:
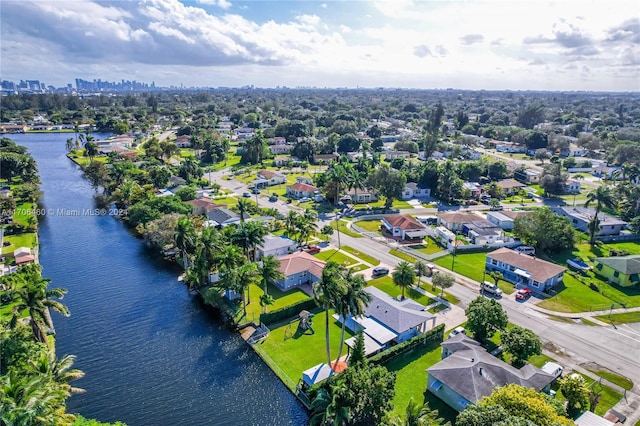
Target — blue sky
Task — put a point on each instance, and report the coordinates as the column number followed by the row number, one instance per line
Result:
column 481, row 44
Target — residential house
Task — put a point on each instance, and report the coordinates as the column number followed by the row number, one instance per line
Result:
column 510, row 186
column 362, row 196
column 604, row 172
column 299, row 268
column 532, row 176
column 221, row 217
column 269, row 178
column 324, row 158
column 504, row 219
column 276, row 246
column 621, row 270
column 388, row 321
column 572, row 187
column 524, row 270
column 392, row 155
column 474, row 188
column 388, row 138
column 483, row 232
column 304, row 179
column 414, row 190
column 301, row 190
column 437, row 155
column 511, row 148
column 574, row 151
column 591, row 419
column 175, row 181
column 23, row 256
column 202, row 206
column 581, row 216
column 280, row 149
column 467, row 373
column 278, row 140
column 446, row 237
column 454, row 221
column 183, row 141
column 404, row 226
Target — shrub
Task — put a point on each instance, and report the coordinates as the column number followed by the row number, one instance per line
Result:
column 288, row 311
column 435, row 334
column 594, row 287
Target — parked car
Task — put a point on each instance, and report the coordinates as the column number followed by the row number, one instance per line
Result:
column 273, row 199
column 490, row 288
column 526, row 250
column 552, row 368
column 379, row 271
column 456, row 331
column 312, row 249
column 246, row 195
column 305, row 199
column 255, row 191
column 523, row 293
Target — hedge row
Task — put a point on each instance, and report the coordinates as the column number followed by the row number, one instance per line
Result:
column 288, row 311
column 434, row 335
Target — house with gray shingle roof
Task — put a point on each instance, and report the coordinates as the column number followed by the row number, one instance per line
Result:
column 524, row 270
column 581, row 216
column 622, row 270
column 467, row 373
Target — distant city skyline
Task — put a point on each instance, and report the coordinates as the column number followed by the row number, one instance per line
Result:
column 493, row 45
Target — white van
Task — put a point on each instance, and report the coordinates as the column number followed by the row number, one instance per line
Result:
column 526, row 250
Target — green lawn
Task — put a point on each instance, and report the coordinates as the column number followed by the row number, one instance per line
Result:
column 402, row 255
column 411, row 380
column 386, row 284
column 614, row 378
column 294, row 352
column 226, row 200
column 342, row 224
column 359, row 267
column 23, row 212
column 428, row 247
column 470, row 265
column 337, row 257
column 370, row 225
column 17, row 241
column 621, row 318
column 539, row 360
column 281, row 299
column 232, row 160
column 362, row 256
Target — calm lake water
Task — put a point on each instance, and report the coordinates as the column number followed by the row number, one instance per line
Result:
column 152, row 354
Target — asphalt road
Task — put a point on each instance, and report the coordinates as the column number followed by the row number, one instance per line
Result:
column 616, row 348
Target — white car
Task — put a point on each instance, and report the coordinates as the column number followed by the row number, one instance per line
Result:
column 304, row 200
column 491, row 288
column 456, row 331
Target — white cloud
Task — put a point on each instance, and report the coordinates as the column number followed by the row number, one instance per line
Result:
column 223, row 4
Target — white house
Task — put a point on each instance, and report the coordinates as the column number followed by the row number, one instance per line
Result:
column 404, row 226
column 454, row 221
column 572, row 187
column 504, row 219
column 269, row 178
column 362, row 196
column 414, row 190
column 524, row 270
column 301, row 190
column 276, row 246
column 483, row 232
column 280, row 149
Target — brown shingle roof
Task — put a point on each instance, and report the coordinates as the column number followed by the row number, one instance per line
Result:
column 458, row 217
column 516, row 213
column 268, row 174
column 299, row 262
column 404, row 222
column 540, row 270
column 205, row 203
column 303, row 187
column 510, row 183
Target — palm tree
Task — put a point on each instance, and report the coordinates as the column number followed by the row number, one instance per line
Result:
column 404, row 276
column 59, row 370
column 243, row 277
column 356, row 180
column 243, row 206
column 37, row 298
column 306, row 226
column 338, row 175
column 327, row 293
column 417, row 415
column 602, row 197
column 30, row 400
column 422, row 270
column 185, row 238
column 291, row 223
column 255, row 232
column 91, row 149
column 353, row 302
column 270, row 272
column 327, row 407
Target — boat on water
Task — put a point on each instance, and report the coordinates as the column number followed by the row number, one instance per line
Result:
column 578, row 265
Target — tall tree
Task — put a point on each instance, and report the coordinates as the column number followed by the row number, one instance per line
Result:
column 388, row 182
column 443, row 280
column 353, row 302
column 484, row 317
column 328, row 293
column 404, row 276
column 270, row 272
column 521, row 343
column 417, row 415
column 185, row 239
column 422, row 270
column 602, row 196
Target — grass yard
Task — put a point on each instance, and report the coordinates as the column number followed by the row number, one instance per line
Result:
column 281, row 299
column 362, row 256
column 614, row 378
column 386, row 284
column 621, row 318
column 411, row 380
column 402, row 255
column 23, row 212
column 337, row 257
column 17, row 241
column 232, row 160
column 342, row 227
column 226, row 200
column 370, row 225
column 359, row 267
column 428, row 247
column 539, row 360
column 609, row 397
column 471, row 265
column 294, row 352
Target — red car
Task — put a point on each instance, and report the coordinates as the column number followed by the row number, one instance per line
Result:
column 523, row 293
column 313, row 249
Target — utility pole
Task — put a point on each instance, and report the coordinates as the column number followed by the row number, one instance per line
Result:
column 338, row 229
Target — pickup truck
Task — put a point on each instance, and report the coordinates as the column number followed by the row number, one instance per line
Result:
column 490, row 288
